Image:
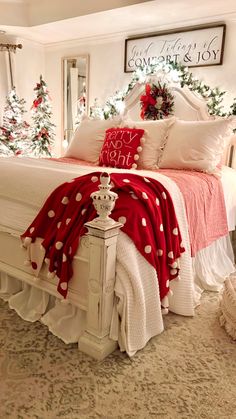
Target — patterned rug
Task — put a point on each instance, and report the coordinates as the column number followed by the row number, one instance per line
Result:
column 187, row 372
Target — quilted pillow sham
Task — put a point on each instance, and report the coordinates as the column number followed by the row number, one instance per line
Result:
column 88, row 139
column 155, row 134
column 121, row 148
column 196, row 145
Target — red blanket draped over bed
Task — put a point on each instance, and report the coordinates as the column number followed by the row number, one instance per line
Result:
column 204, row 203
column 144, row 207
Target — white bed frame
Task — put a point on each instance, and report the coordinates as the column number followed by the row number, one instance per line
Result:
column 92, row 286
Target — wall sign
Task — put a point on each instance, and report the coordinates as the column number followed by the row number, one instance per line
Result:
column 194, row 47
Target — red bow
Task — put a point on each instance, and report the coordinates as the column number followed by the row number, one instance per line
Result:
column 37, row 102
column 146, row 100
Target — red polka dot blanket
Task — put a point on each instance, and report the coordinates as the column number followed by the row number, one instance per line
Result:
column 144, row 207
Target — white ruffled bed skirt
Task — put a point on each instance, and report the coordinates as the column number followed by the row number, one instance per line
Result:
column 211, row 266
column 63, row 319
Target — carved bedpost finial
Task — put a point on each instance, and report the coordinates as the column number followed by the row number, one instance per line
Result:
column 104, row 200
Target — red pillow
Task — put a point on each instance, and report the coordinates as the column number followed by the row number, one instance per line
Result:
column 121, row 147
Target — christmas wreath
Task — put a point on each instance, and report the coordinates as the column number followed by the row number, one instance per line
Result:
column 157, row 102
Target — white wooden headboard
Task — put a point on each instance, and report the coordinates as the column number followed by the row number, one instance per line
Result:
column 188, row 106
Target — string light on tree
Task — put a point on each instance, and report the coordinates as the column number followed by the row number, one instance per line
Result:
column 42, row 131
column 14, row 130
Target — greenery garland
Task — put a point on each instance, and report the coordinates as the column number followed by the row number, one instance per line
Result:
column 214, row 97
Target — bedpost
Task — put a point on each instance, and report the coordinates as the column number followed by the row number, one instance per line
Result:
column 102, row 233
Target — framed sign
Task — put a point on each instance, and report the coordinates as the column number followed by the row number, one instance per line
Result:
column 194, row 47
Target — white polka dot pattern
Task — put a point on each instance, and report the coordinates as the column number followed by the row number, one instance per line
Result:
column 27, row 241
column 65, row 200
column 63, row 286
column 173, row 271
column 137, row 222
column 144, row 222
column 174, row 265
column 122, row 220
column 148, row 249
column 78, row 197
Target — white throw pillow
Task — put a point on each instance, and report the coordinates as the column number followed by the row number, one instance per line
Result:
column 88, row 139
column 196, row 145
column 155, row 134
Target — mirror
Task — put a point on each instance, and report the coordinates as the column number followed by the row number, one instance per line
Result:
column 75, row 93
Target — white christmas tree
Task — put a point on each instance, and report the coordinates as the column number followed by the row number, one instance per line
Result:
column 14, row 130
column 42, row 130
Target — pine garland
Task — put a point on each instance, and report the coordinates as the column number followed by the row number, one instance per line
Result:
column 214, row 97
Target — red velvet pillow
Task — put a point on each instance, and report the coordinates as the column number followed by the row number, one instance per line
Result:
column 121, row 147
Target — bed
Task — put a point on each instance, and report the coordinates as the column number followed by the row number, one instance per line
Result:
column 113, row 297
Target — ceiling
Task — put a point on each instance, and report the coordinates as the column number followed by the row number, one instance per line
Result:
column 47, row 21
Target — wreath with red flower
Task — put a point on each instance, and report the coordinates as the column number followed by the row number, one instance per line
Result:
column 157, row 102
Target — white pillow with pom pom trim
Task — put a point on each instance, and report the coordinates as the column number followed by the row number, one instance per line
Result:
column 88, row 139
column 155, row 135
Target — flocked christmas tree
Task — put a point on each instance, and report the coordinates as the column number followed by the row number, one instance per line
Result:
column 14, row 130
column 42, row 130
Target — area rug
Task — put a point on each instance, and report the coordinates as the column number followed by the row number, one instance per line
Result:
column 189, row 371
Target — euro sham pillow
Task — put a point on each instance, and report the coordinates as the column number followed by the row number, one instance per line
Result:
column 155, row 134
column 88, row 139
column 121, row 148
column 195, row 145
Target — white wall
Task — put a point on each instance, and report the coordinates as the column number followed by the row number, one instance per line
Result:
column 27, row 64
column 107, row 76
